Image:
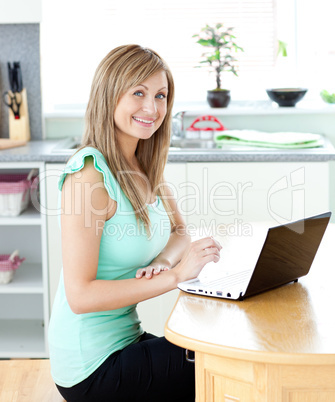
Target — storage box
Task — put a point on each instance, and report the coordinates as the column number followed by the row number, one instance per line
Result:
column 9, row 263
column 14, row 193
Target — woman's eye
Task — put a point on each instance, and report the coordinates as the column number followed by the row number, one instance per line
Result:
column 138, row 93
column 160, row 96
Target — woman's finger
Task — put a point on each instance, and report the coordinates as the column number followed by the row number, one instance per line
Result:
column 211, row 251
column 206, row 242
column 149, row 271
column 140, row 273
column 157, row 271
column 210, row 258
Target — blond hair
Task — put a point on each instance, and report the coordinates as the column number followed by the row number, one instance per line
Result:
column 125, row 67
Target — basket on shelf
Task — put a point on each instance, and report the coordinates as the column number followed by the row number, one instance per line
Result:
column 9, row 263
column 15, row 192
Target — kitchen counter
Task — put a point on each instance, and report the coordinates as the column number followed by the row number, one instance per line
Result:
column 34, row 151
column 44, row 151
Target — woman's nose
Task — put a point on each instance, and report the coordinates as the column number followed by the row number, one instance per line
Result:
column 149, row 105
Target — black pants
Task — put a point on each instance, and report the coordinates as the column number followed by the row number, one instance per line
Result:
column 152, row 370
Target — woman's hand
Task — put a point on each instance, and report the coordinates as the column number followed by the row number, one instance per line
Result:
column 198, row 254
column 149, row 271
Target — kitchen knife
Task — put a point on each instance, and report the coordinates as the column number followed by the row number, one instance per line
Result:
column 15, row 76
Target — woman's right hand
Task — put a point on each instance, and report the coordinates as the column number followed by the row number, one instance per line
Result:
column 198, row 254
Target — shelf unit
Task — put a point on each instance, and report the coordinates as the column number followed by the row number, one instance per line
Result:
column 24, row 302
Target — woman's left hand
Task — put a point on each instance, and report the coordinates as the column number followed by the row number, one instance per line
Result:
column 149, row 271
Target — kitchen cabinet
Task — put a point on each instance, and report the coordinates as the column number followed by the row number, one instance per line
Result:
column 20, row 11
column 236, row 193
column 24, row 302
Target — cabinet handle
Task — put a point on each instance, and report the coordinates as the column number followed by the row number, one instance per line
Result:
column 188, row 357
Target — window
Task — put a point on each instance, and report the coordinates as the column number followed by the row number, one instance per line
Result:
column 315, row 39
column 76, row 35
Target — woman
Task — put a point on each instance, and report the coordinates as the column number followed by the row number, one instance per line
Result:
column 121, row 235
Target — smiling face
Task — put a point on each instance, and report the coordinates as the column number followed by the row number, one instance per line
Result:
column 141, row 109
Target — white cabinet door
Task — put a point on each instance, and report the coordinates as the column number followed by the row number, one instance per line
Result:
column 53, row 172
column 20, row 11
column 235, row 193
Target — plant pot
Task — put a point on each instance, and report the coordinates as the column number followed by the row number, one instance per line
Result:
column 218, row 98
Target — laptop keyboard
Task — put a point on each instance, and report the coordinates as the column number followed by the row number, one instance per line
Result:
column 227, row 281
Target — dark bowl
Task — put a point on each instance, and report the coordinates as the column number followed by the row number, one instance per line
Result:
column 286, row 96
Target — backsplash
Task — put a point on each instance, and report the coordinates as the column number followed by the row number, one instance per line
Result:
column 21, row 42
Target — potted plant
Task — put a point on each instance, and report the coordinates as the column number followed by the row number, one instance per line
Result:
column 219, row 58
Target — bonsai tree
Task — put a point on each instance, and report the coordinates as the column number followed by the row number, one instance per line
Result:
column 221, row 46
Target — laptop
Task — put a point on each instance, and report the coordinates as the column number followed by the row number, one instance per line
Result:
column 285, row 255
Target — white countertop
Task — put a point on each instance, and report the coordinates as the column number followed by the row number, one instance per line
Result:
column 44, row 151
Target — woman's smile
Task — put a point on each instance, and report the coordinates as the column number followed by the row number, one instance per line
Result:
column 144, row 121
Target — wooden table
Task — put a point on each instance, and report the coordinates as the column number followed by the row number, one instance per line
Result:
column 277, row 346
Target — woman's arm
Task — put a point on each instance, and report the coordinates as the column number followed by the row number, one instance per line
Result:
column 86, row 206
column 174, row 250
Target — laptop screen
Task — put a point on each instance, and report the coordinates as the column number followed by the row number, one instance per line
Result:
column 288, row 253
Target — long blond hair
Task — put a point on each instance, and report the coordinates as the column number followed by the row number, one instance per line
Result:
column 122, row 68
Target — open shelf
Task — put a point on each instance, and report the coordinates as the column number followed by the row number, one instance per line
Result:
column 27, row 279
column 22, row 339
column 28, row 217
column 24, row 302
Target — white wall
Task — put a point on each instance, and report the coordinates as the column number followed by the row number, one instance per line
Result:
column 20, row 11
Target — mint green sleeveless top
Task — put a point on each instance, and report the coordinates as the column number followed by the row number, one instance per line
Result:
column 80, row 343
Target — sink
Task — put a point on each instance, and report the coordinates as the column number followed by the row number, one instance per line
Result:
column 67, row 146
column 197, row 150
column 184, row 144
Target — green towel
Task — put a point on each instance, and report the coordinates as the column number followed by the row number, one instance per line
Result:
column 252, row 138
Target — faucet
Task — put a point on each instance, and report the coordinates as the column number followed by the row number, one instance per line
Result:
column 178, row 125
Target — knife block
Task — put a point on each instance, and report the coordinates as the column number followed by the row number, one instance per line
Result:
column 19, row 129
